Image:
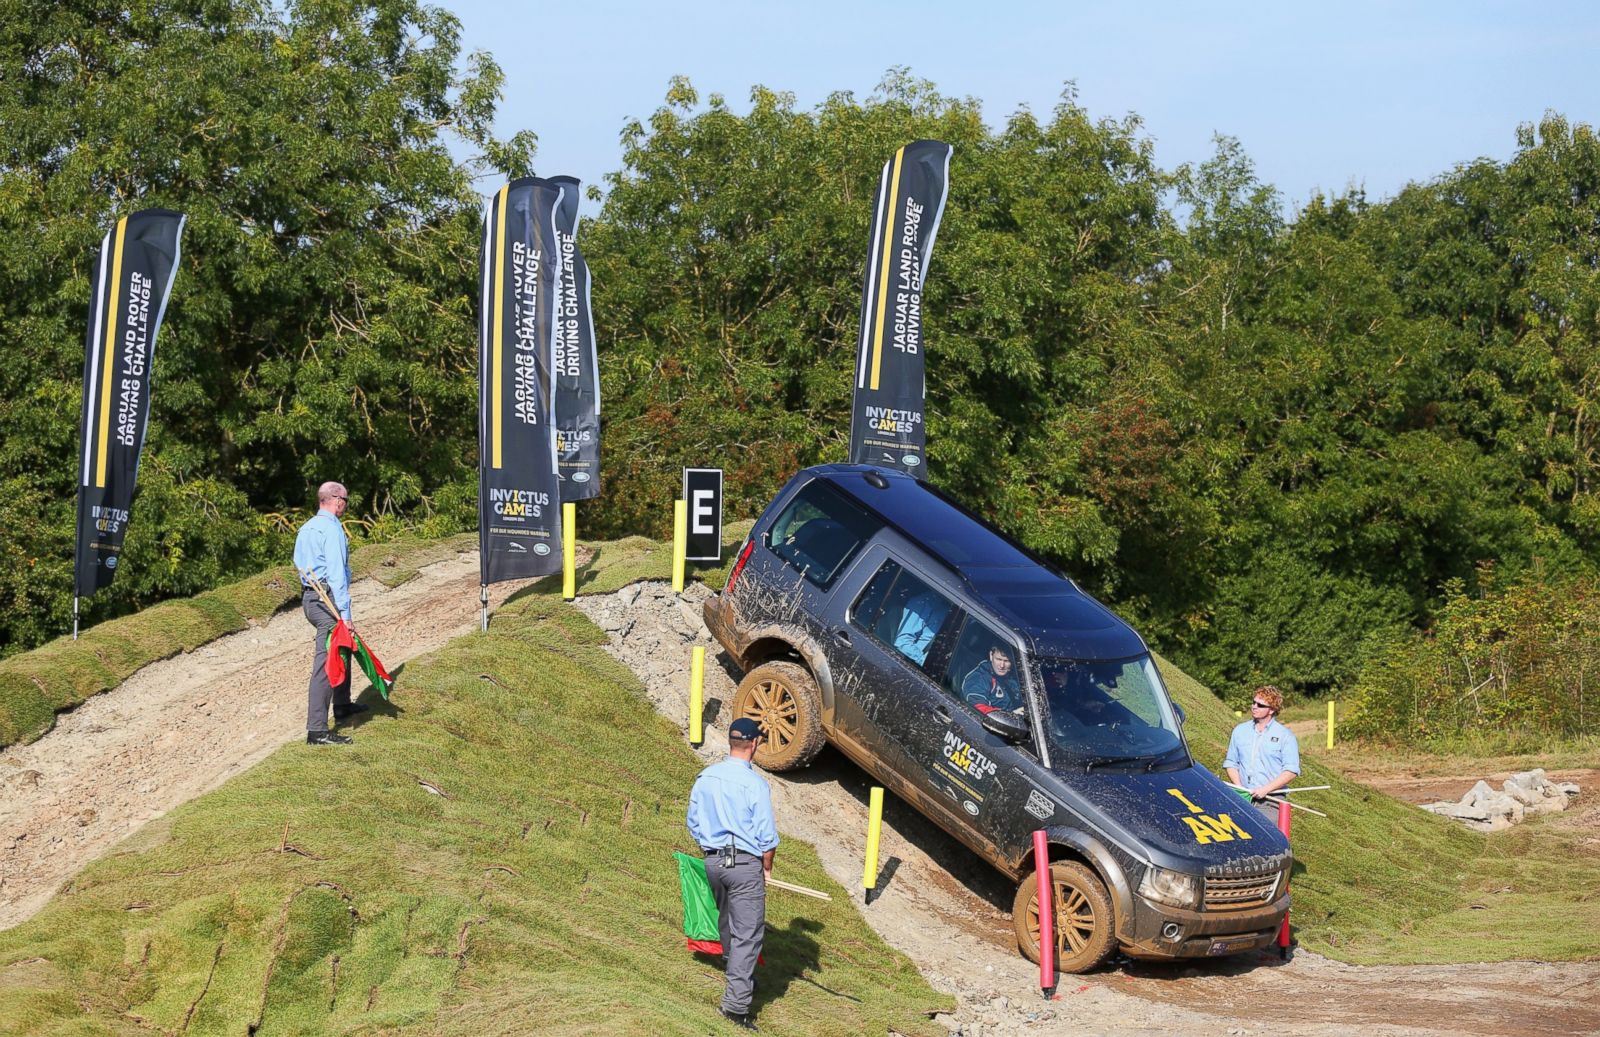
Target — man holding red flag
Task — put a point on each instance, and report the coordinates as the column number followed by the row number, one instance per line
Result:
column 322, row 550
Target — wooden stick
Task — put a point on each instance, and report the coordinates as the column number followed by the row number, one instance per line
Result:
column 803, row 890
column 1277, row 799
column 1306, row 788
column 316, row 585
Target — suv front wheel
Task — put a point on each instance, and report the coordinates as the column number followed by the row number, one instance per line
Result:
column 783, row 698
column 1083, row 920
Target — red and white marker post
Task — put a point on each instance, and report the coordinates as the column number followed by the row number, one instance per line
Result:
column 1047, row 927
column 1283, row 933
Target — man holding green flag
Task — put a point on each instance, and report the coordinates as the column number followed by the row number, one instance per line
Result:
column 730, row 818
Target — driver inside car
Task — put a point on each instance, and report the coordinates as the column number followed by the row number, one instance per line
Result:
column 992, row 684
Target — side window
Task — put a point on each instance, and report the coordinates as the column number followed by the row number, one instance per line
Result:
column 983, row 669
column 819, row 532
column 911, row 616
column 869, row 607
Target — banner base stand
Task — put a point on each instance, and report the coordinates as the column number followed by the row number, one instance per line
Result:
column 483, row 601
column 74, row 617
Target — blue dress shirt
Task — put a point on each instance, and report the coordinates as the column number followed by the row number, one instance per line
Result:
column 322, row 548
column 731, row 799
column 919, row 625
column 1260, row 756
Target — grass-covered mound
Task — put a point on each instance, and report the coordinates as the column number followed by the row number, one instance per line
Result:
column 493, row 855
column 1379, row 880
column 36, row 685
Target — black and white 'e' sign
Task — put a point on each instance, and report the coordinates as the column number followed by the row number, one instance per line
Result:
column 702, row 494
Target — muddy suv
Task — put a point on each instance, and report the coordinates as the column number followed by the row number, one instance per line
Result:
column 997, row 698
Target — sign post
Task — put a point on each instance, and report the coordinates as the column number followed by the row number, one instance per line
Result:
column 702, row 495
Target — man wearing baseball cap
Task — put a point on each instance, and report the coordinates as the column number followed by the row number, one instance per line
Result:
column 730, row 817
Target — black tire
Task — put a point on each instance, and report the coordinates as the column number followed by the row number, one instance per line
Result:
column 1085, row 929
column 783, row 698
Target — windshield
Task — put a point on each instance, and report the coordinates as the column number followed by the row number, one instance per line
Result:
column 1110, row 714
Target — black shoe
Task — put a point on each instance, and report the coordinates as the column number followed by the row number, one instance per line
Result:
column 742, row 1021
column 326, row 738
column 346, row 712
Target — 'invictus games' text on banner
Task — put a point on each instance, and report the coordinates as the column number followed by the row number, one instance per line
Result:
column 576, row 366
column 519, row 517
column 886, row 427
column 129, row 285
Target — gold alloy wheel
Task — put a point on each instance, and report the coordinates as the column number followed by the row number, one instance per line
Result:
column 1074, row 920
column 1083, row 917
column 782, row 697
column 772, row 705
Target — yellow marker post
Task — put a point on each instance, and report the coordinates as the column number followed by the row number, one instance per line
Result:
column 1330, row 723
column 680, row 543
column 869, row 874
column 569, row 550
column 697, row 679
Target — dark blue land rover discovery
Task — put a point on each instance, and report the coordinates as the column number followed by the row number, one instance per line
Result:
column 997, row 698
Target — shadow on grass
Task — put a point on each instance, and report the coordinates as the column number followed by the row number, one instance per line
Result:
column 377, row 705
column 791, row 953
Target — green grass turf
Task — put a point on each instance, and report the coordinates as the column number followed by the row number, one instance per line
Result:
column 330, row 890
column 493, row 855
column 36, row 685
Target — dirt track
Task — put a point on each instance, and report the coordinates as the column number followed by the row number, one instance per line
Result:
column 183, row 726
column 949, row 912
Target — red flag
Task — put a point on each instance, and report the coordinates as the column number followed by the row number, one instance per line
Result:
column 342, row 641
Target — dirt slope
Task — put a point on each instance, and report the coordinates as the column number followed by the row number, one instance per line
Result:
column 948, row 912
column 182, row 726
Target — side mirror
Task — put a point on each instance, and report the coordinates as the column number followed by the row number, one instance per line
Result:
column 1182, row 716
column 1009, row 726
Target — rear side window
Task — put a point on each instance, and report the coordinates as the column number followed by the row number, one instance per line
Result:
column 902, row 612
column 819, row 532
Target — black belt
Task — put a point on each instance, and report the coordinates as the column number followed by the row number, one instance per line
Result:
column 718, row 853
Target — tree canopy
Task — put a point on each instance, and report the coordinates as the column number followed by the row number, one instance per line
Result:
column 1275, row 442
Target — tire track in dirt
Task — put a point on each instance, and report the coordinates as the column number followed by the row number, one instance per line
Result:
column 182, row 726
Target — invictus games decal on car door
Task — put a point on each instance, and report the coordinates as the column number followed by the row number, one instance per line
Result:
column 964, row 765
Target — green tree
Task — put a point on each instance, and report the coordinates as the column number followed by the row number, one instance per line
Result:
column 322, row 322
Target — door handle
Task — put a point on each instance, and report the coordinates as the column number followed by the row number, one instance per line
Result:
column 942, row 712
column 842, row 635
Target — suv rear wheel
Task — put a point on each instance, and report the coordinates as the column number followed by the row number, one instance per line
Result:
column 1083, row 920
column 783, row 698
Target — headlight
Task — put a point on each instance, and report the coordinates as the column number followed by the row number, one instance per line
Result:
column 1170, row 887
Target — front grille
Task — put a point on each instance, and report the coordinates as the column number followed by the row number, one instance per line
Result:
column 1238, row 891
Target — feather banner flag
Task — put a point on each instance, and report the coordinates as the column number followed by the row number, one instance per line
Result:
column 886, row 421
column 129, row 285
column 519, row 518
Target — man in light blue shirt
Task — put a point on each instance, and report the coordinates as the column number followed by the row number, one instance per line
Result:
column 730, row 818
column 1263, row 755
column 322, row 550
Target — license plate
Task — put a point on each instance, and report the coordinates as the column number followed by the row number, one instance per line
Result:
column 1230, row 946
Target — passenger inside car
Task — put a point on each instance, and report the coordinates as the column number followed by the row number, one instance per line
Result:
column 992, row 684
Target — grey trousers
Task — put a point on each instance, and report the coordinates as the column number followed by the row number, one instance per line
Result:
column 741, row 896
column 320, row 694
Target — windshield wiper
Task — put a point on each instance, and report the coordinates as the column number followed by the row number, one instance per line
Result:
column 1100, row 761
column 1157, row 759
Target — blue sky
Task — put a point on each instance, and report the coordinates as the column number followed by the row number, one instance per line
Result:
column 1321, row 98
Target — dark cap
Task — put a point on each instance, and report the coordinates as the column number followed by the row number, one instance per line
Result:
column 744, row 728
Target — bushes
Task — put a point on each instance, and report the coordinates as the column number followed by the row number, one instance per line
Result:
column 1521, row 663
